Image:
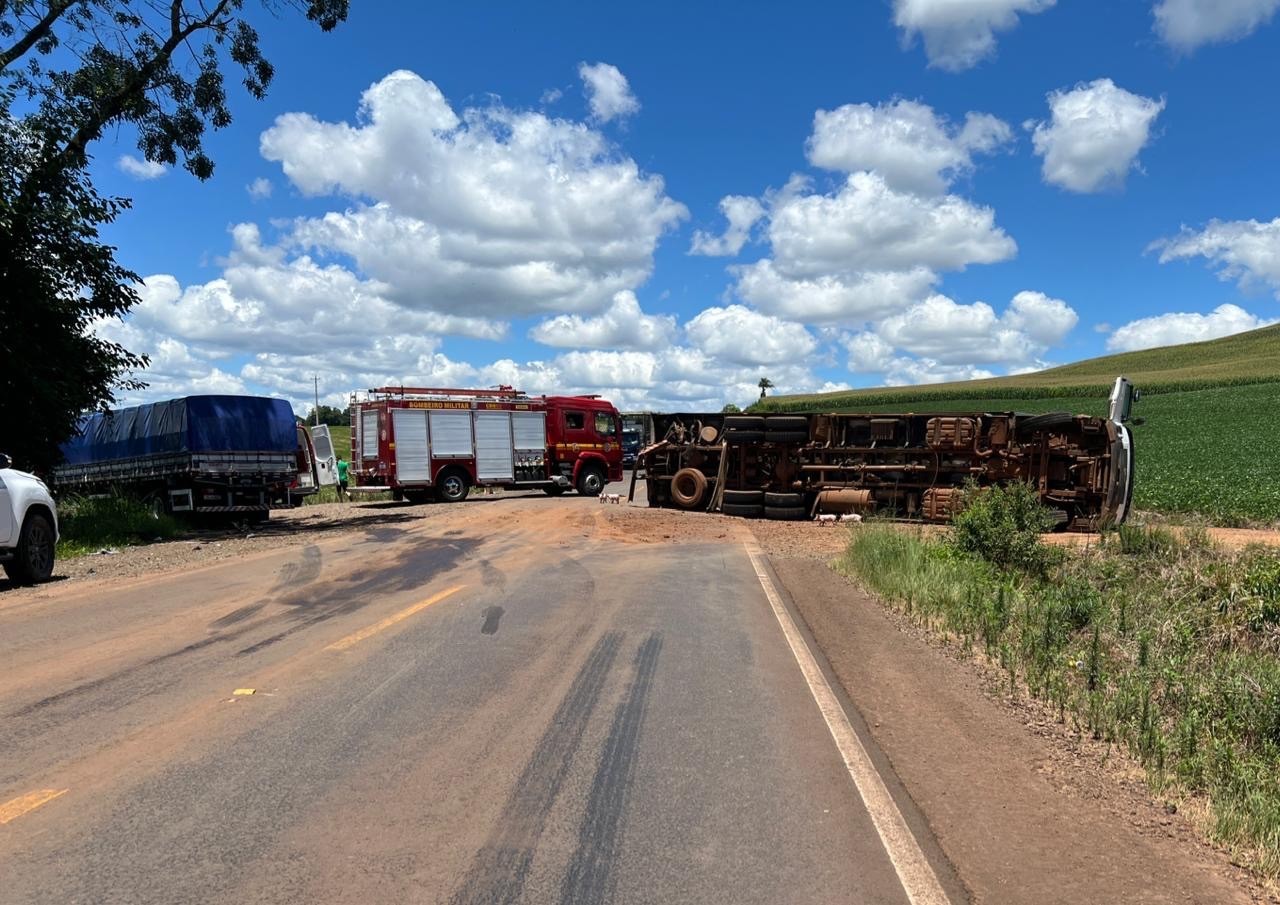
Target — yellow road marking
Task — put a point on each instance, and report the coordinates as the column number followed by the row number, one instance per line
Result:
column 391, row 620
column 12, row 810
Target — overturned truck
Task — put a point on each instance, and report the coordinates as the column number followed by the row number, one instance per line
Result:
column 912, row 466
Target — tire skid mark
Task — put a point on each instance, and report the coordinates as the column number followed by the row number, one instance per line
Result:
column 589, row 878
column 498, row 873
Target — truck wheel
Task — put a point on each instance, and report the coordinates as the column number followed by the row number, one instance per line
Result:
column 688, row 487
column 1048, row 421
column 783, row 500
column 590, row 482
column 452, row 488
column 742, row 511
column 743, row 423
column 788, row 437
column 787, row 423
column 784, row 513
column 743, row 498
column 33, row 560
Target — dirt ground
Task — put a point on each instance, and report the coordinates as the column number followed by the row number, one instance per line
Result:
column 960, row 741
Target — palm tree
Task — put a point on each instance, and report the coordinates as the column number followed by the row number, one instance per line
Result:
column 764, row 384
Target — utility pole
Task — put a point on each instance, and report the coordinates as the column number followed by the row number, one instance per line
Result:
column 315, row 412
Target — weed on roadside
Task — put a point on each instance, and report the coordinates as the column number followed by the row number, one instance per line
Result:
column 87, row 524
column 1161, row 644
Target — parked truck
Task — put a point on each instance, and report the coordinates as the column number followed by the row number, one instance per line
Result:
column 195, row 455
column 915, row 466
column 424, row 442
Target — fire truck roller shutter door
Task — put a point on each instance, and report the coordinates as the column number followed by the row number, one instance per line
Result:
column 369, row 434
column 450, row 433
column 493, row 447
column 410, row 427
column 529, row 430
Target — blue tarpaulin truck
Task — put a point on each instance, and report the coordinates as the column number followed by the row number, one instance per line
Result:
column 193, row 455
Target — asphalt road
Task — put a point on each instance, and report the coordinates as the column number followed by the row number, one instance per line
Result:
column 506, row 704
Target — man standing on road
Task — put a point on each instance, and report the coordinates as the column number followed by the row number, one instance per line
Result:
column 342, row 480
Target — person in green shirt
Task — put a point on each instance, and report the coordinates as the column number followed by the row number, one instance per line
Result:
column 342, row 478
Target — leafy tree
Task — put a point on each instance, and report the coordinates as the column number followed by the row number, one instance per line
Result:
column 79, row 68
column 330, row 415
column 764, row 384
column 730, row 409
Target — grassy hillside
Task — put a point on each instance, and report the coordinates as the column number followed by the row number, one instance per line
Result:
column 1209, row 443
column 1243, row 359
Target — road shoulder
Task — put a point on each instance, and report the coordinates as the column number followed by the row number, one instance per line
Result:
column 1021, row 816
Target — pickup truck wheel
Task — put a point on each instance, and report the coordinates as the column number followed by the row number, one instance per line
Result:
column 33, row 560
column 452, row 488
column 590, row 482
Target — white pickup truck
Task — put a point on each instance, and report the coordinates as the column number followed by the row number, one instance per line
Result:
column 28, row 525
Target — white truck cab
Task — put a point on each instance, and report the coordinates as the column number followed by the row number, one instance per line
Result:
column 28, row 525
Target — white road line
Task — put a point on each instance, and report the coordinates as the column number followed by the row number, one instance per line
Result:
column 914, row 871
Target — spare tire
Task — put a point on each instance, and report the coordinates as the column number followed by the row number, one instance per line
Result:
column 784, row 499
column 1047, row 421
column 688, row 488
column 744, row 497
column 742, row 511
column 743, row 423
column 784, row 513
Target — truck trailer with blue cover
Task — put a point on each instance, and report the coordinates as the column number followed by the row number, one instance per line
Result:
column 194, row 454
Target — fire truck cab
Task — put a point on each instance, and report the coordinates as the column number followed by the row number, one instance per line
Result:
column 421, row 442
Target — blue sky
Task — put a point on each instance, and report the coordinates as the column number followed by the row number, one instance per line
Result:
column 563, row 262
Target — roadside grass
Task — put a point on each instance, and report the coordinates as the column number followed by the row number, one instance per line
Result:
column 1208, row 452
column 89, row 524
column 1162, row 645
column 330, row 495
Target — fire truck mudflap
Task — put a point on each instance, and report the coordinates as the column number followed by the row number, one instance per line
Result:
column 431, row 441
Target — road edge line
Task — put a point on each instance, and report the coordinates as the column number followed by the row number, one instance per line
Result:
column 916, row 875
column 25, row 804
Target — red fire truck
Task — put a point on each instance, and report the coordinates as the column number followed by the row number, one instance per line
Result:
column 421, row 441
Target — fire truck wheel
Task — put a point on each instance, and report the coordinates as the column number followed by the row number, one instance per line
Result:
column 688, row 487
column 590, row 481
column 452, row 487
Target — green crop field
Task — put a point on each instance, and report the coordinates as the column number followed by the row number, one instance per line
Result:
column 1209, row 443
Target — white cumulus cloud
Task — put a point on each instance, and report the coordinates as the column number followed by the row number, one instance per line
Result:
column 1094, row 135
column 742, row 213
column 906, row 142
column 1243, row 250
column 949, row 333
column 1187, row 24
column 608, row 92
column 1183, row 327
column 259, row 189
column 622, row 326
column 738, row 335
column 492, row 211
column 959, row 34
column 138, row 168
